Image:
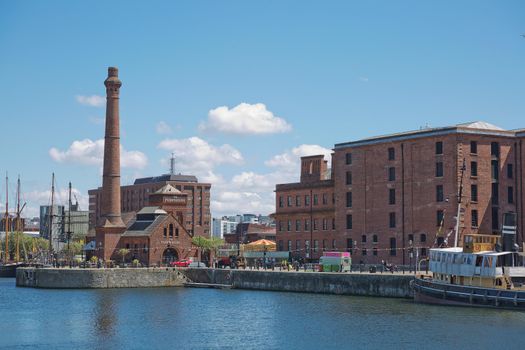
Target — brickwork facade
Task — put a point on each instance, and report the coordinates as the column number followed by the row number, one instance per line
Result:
column 305, row 215
column 396, row 196
column 197, row 218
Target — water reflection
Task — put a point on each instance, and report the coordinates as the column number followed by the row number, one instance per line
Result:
column 217, row 319
column 105, row 315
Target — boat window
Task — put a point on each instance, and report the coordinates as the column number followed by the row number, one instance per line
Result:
column 469, row 259
column 479, row 259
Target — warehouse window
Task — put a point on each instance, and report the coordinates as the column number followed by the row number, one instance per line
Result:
column 348, row 158
column 391, row 153
column 439, row 147
column 392, row 196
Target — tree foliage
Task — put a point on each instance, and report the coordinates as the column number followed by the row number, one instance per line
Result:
column 207, row 244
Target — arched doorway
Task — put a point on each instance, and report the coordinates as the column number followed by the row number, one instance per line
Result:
column 169, row 255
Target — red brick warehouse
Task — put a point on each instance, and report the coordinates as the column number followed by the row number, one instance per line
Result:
column 392, row 193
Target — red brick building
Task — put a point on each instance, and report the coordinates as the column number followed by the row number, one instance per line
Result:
column 159, row 219
column 134, row 197
column 394, row 193
column 155, row 235
column 305, row 214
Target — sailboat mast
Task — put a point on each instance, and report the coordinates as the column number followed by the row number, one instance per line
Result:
column 460, row 196
column 51, row 215
column 69, row 219
column 18, row 220
column 6, row 257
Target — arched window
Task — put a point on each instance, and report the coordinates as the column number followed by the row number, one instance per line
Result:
column 177, row 232
column 171, row 230
column 423, row 237
column 363, row 238
column 165, row 232
column 374, row 238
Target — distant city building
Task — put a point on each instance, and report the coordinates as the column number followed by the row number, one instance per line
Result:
column 79, row 221
column 223, row 226
column 32, row 224
column 12, row 223
column 248, row 232
column 235, row 218
column 266, row 220
column 250, row 218
column 57, row 230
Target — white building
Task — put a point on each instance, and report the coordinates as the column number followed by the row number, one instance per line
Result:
column 223, row 226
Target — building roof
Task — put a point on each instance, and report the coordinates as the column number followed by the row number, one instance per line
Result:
column 144, row 227
column 168, row 189
column 304, row 185
column 478, row 127
column 152, row 210
column 166, row 177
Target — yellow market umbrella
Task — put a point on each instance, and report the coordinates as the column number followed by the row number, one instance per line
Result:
column 261, row 245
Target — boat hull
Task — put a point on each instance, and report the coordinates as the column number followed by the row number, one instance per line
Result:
column 432, row 292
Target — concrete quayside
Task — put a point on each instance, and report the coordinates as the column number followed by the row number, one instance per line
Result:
column 363, row 284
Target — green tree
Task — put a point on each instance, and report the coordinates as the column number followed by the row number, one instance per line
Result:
column 201, row 243
column 204, row 244
column 123, row 252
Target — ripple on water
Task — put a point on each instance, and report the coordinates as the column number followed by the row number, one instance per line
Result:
column 232, row 319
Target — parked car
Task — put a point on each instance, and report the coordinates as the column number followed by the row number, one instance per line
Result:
column 197, row 264
column 181, row 263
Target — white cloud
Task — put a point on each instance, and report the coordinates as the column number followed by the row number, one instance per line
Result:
column 228, row 203
column 163, row 128
column 290, row 160
column 198, row 156
column 36, row 198
column 245, row 118
column 92, row 101
column 90, row 152
column 253, row 192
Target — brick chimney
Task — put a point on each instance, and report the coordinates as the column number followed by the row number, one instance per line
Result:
column 110, row 228
column 313, row 168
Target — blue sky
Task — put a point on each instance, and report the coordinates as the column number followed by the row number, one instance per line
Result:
column 324, row 72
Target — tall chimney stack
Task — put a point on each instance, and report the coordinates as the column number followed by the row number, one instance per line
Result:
column 111, row 226
column 111, row 173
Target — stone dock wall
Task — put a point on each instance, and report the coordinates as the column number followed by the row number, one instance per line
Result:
column 98, row 278
column 366, row 284
column 381, row 285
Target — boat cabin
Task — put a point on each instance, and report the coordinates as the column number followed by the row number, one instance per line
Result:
column 471, row 267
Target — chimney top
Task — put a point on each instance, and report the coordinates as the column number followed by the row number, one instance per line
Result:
column 112, row 72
